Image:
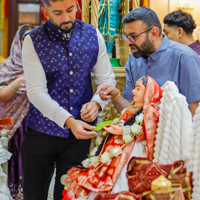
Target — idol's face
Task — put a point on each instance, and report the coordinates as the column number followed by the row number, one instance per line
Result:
column 171, row 32
column 138, row 92
column 62, row 14
column 141, row 45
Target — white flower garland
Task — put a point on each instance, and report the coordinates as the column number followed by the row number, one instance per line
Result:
column 87, row 163
column 122, row 112
column 134, row 128
column 106, row 157
column 98, row 141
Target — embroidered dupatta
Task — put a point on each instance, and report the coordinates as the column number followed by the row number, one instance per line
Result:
column 10, row 69
column 152, row 95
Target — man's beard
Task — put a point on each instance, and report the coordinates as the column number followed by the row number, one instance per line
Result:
column 66, row 29
column 145, row 49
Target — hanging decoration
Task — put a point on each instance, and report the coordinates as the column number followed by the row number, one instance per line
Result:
column 109, row 22
column 3, row 27
column 144, row 3
column 6, row 8
column 79, row 12
column 136, row 4
column 85, row 11
column 0, row 35
column 2, row 14
column 94, row 14
column 2, row 21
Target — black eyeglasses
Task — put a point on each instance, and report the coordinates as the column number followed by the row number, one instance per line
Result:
column 132, row 37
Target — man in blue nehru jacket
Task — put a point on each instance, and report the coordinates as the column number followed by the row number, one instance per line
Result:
column 58, row 58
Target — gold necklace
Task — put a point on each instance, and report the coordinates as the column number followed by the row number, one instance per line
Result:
column 134, row 108
column 138, row 105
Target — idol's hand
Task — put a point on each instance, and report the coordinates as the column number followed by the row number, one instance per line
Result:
column 107, row 91
column 116, row 130
column 89, row 111
column 78, row 129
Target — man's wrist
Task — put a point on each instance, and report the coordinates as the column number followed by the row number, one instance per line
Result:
column 116, row 96
column 69, row 121
column 97, row 104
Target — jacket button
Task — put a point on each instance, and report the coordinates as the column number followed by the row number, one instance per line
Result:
column 70, row 54
column 71, row 108
column 71, row 72
column 71, row 91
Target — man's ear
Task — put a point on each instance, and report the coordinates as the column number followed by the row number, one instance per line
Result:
column 44, row 11
column 154, row 33
column 180, row 32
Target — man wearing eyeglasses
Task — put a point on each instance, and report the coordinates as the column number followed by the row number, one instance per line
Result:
column 153, row 54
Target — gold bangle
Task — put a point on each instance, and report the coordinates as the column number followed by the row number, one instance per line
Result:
column 116, row 96
column 15, row 88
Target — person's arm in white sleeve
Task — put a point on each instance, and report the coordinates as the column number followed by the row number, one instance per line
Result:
column 103, row 74
column 37, row 92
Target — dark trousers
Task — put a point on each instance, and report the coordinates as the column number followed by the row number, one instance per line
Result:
column 39, row 153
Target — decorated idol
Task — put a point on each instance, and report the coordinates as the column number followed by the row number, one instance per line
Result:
column 133, row 134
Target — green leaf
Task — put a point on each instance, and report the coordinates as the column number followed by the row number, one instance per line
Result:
column 103, row 124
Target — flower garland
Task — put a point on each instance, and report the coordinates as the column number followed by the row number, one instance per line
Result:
column 135, row 128
column 106, row 157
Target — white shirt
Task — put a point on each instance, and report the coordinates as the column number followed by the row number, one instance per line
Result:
column 36, row 81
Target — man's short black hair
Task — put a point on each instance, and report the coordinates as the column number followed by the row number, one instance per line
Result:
column 146, row 15
column 180, row 19
column 46, row 2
